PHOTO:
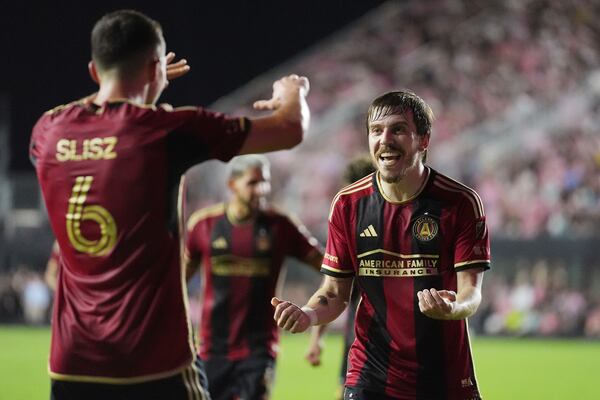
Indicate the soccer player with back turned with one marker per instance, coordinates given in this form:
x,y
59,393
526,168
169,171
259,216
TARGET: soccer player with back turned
x,y
416,243
109,169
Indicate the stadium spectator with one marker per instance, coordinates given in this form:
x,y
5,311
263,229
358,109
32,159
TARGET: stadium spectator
x,y
417,244
241,245
109,167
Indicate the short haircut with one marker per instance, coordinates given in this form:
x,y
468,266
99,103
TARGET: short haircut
x,y
124,39
399,102
240,164
359,168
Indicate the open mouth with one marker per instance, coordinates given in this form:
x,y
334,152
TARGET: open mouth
x,y
388,159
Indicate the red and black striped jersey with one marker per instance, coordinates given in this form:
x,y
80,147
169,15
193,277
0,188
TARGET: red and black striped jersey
x,y
393,250
241,267
109,177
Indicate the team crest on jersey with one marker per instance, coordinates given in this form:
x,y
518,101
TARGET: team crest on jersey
x,y
220,243
425,228
262,241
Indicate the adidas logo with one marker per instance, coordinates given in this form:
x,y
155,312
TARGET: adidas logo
x,y
369,232
219,243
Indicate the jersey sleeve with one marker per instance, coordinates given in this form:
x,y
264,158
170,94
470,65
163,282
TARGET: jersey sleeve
x,y
337,261
299,240
472,248
201,135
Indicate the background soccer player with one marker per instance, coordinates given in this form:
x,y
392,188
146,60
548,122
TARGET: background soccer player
x,y
357,169
242,245
109,168
416,243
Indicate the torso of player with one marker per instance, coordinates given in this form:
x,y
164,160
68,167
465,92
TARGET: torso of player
x,y
109,177
241,267
395,250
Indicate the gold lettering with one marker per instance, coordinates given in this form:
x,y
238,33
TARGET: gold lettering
x,y
91,149
62,150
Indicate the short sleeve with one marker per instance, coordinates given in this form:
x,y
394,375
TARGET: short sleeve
x,y
472,248
337,261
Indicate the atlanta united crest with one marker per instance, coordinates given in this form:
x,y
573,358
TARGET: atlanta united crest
x,y
425,228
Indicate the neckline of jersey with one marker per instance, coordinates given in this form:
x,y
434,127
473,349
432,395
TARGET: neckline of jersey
x,y
414,196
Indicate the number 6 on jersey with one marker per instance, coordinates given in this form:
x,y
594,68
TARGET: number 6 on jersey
x,y
79,212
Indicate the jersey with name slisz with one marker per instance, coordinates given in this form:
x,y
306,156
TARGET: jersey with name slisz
x,y
395,250
109,177
241,265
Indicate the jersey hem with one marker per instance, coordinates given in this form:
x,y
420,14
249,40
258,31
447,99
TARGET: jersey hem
x,y
117,381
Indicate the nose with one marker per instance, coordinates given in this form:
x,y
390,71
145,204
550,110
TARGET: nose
x,y
387,136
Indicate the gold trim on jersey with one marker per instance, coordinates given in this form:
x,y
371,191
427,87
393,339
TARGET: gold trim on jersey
x,y
359,185
391,253
203,213
115,381
337,270
460,264
411,198
451,185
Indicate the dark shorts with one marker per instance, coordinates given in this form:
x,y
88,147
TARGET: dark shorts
x,y
247,379
188,384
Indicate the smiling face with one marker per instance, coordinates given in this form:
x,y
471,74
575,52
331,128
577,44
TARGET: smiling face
x,y
395,147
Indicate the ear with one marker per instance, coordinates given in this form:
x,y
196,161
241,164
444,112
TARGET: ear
x,y
231,184
153,70
93,72
424,142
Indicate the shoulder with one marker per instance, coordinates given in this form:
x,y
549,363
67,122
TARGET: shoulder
x,y
204,214
351,193
458,192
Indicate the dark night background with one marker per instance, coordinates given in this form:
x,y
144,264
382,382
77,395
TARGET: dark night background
x,y
45,47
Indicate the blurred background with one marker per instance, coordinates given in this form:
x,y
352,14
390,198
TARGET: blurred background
x,y
515,86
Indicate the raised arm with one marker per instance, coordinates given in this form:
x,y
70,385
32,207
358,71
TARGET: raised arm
x,y
446,304
285,127
323,307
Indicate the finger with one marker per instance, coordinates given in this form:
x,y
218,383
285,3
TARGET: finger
x,y
281,307
427,299
275,301
439,301
292,320
169,57
178,64
422,303
266,104
173,73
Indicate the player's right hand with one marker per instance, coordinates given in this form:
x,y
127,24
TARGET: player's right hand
x,y
289,316
283,88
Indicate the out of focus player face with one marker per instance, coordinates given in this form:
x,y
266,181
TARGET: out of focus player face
x,y
394,145
160,82
251,188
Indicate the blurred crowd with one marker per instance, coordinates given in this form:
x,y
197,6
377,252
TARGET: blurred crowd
x,y
539,300
510,64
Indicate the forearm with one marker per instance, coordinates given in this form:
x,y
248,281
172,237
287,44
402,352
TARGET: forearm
x,y
467,302
329,302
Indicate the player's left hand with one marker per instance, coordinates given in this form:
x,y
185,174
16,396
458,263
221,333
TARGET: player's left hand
x,y
437,304
313,354
177,69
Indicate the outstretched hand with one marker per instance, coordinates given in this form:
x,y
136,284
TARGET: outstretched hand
x,y
437,304
282,88
177,69
289,316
